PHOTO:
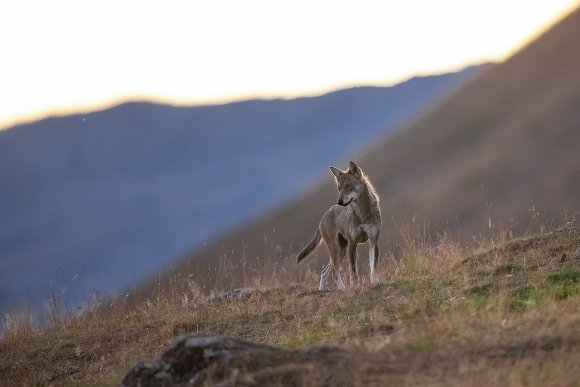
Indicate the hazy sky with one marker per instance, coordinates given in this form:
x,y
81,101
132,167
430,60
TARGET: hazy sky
x,y
60,56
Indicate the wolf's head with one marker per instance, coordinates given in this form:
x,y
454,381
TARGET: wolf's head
x,y
350,184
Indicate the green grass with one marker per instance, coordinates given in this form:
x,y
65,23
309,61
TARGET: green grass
x,y
421,345
502,315
507,268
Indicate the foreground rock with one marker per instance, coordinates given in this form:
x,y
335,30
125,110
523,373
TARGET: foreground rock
x,y
194,359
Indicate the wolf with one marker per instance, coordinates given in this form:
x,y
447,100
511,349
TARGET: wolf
x,y
354,219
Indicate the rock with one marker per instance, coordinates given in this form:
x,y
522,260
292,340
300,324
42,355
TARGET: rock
x,y
455,300
187,361
577,254
220,360
233,294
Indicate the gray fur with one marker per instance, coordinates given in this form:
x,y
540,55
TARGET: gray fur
x,y
356,218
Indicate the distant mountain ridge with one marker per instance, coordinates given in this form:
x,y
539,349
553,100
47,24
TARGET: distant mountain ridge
x,y
500,153
101,200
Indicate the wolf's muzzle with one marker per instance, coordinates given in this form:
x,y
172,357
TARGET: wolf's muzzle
x,y
341,202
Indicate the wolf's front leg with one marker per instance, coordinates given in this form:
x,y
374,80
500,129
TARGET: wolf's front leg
x,y
354,280
373,262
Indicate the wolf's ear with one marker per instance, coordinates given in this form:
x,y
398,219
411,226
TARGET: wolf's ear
x,y
354,169
336,172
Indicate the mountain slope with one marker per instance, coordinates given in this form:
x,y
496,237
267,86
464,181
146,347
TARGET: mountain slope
x,y
502,151
100,200
504,315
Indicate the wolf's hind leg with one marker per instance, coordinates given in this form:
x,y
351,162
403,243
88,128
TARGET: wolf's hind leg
x,y
336,254
325,275
340,279
329,271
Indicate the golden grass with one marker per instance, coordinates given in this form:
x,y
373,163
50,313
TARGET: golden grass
x,y
505,315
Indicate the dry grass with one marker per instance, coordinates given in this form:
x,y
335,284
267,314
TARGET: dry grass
x,y
504,315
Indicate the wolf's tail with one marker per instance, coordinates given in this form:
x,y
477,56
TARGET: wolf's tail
x,y
310,247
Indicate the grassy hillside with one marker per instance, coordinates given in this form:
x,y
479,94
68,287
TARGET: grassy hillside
x,y
105,199
500,154
505,314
